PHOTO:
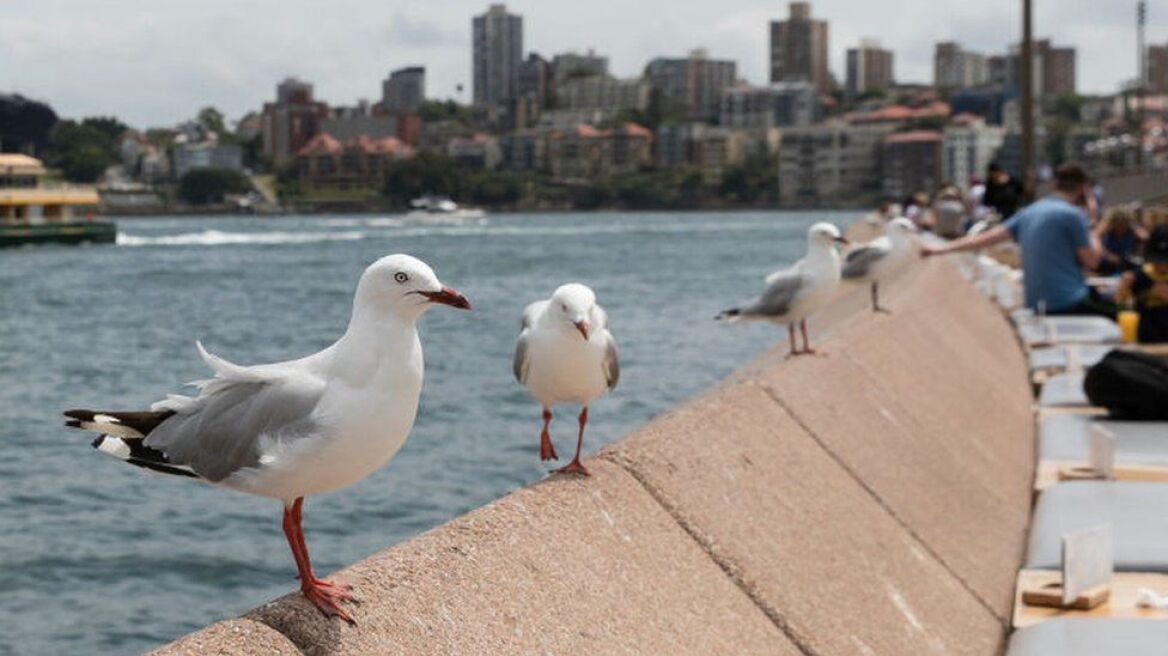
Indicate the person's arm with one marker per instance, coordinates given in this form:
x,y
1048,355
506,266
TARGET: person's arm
x,y
994,235
1089,250
1123,291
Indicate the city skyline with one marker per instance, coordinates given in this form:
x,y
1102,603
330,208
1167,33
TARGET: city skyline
x,y
159,65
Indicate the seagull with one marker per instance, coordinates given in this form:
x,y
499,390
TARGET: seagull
x,y
565,354
287,430
797,292
879,258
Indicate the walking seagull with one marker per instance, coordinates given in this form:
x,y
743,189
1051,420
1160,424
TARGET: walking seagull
x,y
797,292
565,354
880,258
290,429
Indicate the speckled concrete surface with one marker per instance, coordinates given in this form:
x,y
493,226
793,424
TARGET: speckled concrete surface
x,y
235,637
567,566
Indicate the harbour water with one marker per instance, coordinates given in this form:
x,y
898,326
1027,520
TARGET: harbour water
x,y
102,558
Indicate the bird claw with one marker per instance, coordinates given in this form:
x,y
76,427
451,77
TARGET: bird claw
x,y
327,598
882,310
574,467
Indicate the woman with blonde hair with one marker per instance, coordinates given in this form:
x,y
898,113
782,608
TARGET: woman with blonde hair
x,y
1120,235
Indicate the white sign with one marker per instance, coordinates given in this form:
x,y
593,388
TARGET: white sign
x,y
1087,561
1101,451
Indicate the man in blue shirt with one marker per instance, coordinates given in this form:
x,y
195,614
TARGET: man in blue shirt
x,y
1057,244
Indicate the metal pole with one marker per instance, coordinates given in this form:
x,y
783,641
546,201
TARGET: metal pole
x,y
1141,82
1027,81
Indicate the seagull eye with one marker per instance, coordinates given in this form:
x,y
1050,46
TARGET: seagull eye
x,y
401,277
564,307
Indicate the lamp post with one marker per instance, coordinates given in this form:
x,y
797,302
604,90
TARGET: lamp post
x,y
1027,80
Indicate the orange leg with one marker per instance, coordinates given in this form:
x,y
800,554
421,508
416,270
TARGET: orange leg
x,y
547,451
576,467
325,595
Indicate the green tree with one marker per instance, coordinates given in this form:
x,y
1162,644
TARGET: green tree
x,y
83,150
427,173
213,120
211,185
25,125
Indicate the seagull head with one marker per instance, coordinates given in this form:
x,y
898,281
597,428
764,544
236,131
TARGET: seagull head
x,y
824,234
571,305
901,231
405,285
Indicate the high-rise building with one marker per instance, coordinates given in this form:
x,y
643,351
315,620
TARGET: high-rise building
x,y
910,162
1058,69
819,164
567,65
692,86
799,49
1157,66
404,89
869,68
968,146
290,122
497,54
1052,69
956,68
783,104
535,79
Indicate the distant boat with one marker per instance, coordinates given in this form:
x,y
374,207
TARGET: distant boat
x,y
442,206
33,212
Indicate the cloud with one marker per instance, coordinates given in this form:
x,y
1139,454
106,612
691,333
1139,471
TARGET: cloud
x,y
406,31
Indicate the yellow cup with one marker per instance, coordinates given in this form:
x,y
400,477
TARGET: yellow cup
x,y
1129,325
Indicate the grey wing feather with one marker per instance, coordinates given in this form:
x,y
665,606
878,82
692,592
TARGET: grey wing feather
x,y
611,363
858,262
519,363
219,433
776,300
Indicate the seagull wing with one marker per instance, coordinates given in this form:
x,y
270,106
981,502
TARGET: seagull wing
x,y
781,292
858,263
519,362
235,416
611,363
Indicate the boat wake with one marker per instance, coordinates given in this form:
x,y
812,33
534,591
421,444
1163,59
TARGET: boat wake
x,y
220,238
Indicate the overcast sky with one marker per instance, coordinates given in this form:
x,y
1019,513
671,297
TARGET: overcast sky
x,y
157,62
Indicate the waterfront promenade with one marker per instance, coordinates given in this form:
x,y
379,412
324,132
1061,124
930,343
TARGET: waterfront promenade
x,y
874,501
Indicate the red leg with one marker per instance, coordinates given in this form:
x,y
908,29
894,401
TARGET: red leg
x,y
806,344
547,451
324,595
576,467
791,334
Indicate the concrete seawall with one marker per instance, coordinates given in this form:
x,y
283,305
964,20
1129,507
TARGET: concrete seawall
x,y
871,502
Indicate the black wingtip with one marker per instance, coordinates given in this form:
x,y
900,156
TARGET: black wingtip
x,y
73,423
726,314
80,415
97,441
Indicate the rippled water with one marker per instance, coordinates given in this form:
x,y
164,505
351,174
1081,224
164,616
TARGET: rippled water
x,y
102,558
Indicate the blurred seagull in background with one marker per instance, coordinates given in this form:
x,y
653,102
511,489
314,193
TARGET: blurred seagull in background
x,y
877,260
565,354
797,292
290,429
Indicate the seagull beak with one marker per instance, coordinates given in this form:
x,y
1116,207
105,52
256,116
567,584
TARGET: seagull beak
x,y
841,240
448,296
582,326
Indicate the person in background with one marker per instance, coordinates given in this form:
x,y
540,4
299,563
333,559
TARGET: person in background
x,y
1003,194
1147,288
950,213
1120,236
1056,244
916,209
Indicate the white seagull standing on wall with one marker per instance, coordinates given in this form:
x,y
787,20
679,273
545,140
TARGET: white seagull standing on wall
x,y
290,429
565,354
799,291
877,260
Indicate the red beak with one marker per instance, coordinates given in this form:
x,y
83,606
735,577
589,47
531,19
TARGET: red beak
x,y
448,296
842,240
582,326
